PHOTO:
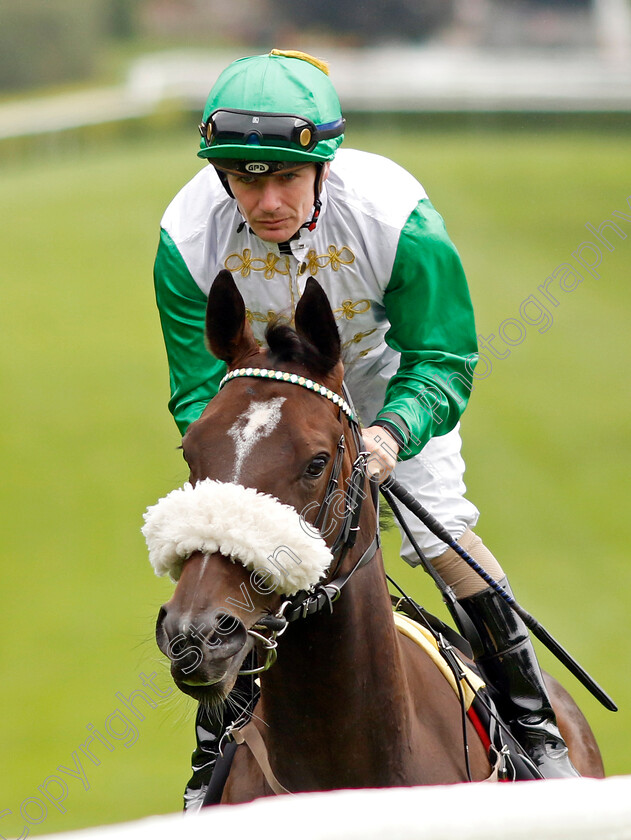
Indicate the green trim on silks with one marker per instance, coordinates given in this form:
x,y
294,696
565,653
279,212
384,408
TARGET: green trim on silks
x,y
194,373
432,326
293,379
274,84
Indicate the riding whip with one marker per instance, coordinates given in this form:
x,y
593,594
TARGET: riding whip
x,y
393,487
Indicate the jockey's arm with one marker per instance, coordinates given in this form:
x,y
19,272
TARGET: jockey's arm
x,y
429,308
194,373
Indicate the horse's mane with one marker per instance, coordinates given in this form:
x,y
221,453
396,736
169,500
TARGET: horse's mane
x,y
286,345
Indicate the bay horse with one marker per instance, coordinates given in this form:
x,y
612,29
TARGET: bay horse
x,y
349,702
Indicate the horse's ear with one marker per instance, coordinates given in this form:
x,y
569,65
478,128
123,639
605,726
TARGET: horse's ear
x,y
315,321
228,333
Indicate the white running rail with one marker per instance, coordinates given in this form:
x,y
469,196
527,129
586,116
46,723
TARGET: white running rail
x,y
573,809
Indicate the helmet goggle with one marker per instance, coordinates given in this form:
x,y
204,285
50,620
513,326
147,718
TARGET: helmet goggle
x,y
263,129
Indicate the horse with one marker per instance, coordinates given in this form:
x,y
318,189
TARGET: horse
x,y
349,702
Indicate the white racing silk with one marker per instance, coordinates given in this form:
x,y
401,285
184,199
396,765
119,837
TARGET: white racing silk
x,y
245,525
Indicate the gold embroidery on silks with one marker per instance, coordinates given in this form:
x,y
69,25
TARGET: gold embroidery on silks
x,y
265,318
359,337
274,264
356,339
350,308
245,263
334,257
292,298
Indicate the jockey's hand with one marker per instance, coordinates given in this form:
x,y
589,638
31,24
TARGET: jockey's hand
x,y
382,451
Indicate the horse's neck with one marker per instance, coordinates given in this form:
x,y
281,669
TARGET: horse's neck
x,y
337,680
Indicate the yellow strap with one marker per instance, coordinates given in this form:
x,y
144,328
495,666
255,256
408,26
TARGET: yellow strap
x,y
424,639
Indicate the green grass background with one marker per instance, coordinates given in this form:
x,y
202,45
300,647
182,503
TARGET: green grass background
x,y
87,444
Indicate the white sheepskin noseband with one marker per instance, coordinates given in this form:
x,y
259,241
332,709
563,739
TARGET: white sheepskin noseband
x,y
257,530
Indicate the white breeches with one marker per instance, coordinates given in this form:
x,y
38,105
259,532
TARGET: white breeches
x,y
435,478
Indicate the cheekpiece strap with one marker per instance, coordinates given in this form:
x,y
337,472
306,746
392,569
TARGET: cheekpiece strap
x,y
294,379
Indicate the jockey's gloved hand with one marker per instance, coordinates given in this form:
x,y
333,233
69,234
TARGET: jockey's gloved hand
x,y
382,451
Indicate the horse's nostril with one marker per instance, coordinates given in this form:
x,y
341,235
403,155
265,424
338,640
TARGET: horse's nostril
x,y
225,624
178,646
226,633
160,631
196,644
223,630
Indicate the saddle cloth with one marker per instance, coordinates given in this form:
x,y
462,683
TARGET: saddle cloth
x,y
471,684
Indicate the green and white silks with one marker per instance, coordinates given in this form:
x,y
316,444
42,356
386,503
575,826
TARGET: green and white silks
x,y
381,253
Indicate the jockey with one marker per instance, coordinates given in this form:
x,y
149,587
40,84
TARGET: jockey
x,y
277,205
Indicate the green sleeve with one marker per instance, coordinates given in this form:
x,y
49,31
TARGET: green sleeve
x,y
193,371
432,326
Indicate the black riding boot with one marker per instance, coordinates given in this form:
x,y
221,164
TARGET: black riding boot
x,y
208,735
508,663
209,732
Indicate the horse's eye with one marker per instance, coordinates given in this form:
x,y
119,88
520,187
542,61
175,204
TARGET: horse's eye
x,y
316,467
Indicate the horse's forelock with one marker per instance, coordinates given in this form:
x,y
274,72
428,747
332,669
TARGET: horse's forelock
x,y
286,345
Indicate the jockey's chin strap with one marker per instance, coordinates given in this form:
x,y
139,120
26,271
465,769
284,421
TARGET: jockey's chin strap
x,y
317,204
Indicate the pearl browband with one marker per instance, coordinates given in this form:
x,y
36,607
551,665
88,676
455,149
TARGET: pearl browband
x,y
294,379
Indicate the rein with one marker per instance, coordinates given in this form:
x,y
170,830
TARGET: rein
x,y
390,488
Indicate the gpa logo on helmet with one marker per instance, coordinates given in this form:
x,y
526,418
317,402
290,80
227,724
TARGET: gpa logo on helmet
x,y
256,168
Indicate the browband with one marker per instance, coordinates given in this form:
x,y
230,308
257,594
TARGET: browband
x,y
294,379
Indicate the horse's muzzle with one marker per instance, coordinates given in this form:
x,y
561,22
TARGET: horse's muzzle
x,y
205,650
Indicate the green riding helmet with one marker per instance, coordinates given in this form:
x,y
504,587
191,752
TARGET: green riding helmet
x,y
269,111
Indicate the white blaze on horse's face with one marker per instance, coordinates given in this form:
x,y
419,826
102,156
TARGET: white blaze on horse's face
x,y
258,422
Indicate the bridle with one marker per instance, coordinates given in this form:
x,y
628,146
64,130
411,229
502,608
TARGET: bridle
x,y
321,596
